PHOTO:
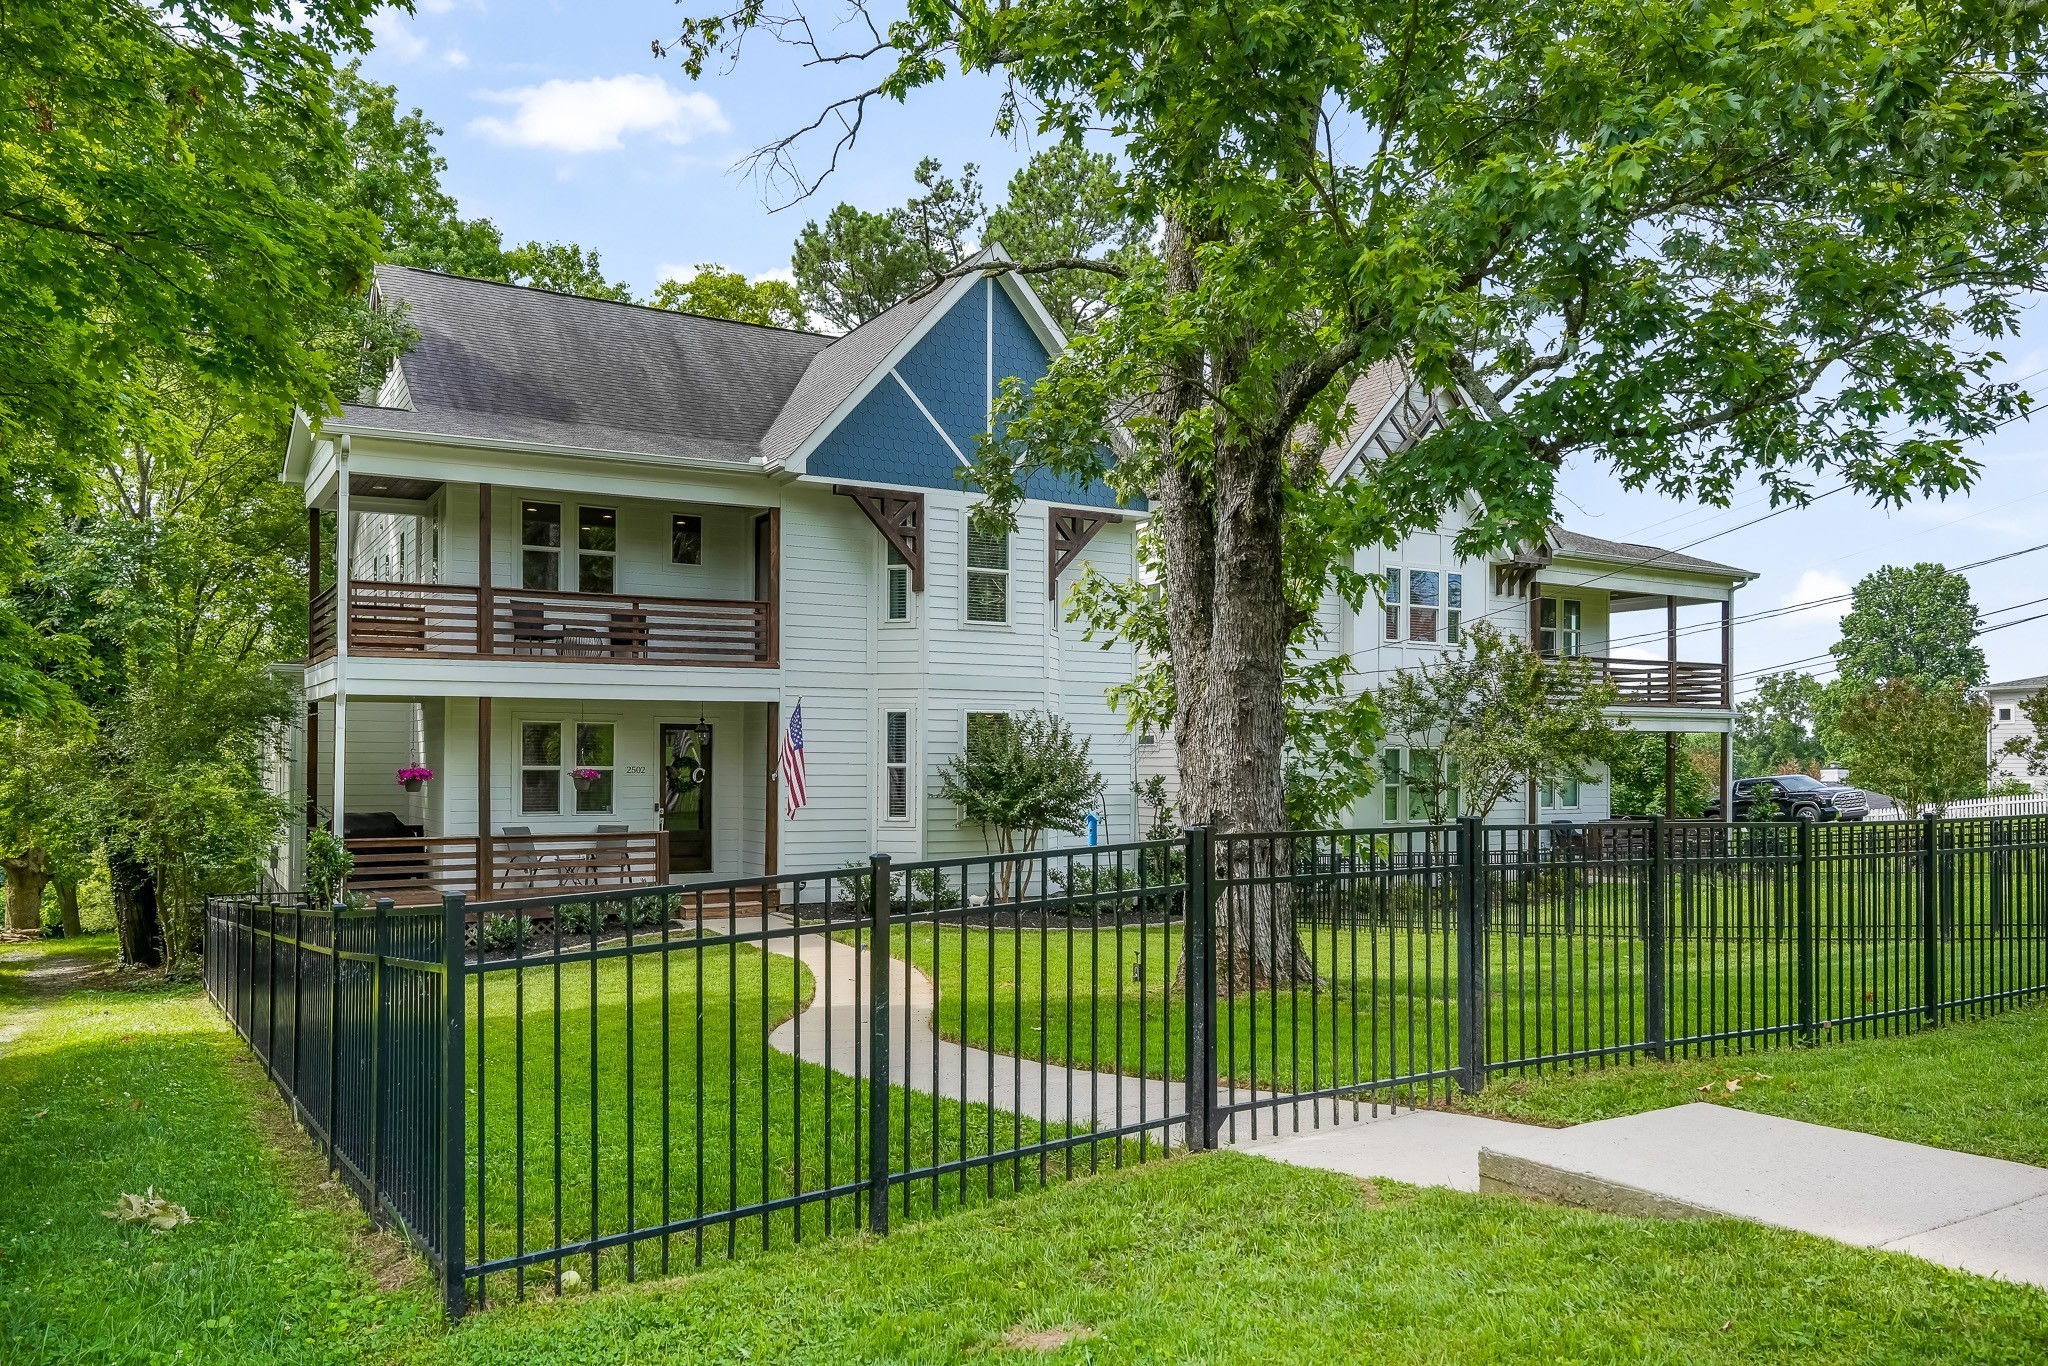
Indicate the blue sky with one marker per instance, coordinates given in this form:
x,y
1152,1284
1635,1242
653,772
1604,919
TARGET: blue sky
x,y
561,124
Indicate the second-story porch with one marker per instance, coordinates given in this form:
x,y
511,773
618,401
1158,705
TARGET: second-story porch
x,y
440,570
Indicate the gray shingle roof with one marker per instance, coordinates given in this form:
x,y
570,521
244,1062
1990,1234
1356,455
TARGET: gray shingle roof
x,y
1581,546
499,362
2037,682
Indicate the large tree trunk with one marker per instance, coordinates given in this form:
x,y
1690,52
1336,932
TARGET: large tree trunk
x,y
1228,623
26,878
67,906
135,911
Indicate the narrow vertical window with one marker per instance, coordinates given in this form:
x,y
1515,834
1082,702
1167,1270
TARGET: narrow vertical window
x,y
540,546
897,573
540,768
896,764
685,539
597,550
1546,627
1393,605
1421,781
988,577
1423,590
592,776
1570,637
1454,608
1390,781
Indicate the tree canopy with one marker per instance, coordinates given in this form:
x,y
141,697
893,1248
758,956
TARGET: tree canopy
x,y
715,292
1777,730
1916,623
1923,746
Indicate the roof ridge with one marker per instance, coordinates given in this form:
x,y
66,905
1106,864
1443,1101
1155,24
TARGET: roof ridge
x,y
826,337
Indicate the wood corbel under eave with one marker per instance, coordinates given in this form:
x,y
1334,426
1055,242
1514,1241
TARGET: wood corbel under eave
x,y
900,519
1070,531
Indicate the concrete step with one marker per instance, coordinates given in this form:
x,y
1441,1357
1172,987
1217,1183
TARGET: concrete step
x,y
1975,1213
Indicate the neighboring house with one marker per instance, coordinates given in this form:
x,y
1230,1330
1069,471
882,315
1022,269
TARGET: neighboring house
x,y
583,535
1644,617
2008,722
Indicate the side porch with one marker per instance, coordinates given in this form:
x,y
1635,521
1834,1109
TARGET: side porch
x,y
536,796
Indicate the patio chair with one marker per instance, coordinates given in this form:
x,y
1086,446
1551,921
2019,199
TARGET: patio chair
x,y
521,859
531,631
611,859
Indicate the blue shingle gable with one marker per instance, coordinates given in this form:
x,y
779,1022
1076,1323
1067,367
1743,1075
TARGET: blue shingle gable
x,y
886,440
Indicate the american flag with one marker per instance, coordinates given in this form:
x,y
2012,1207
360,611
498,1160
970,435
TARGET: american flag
x,y
793,763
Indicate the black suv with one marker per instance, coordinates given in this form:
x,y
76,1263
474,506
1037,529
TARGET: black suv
x,y
1796,797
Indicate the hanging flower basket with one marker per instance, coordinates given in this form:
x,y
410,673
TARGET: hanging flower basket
x,y
585,778
412,775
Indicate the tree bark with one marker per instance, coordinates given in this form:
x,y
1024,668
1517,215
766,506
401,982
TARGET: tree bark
x,y
26,878
67,906
135,911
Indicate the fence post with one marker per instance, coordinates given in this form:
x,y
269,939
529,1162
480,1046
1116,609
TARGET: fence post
x,y
1653,944
375,1173
333,1033
1471,960
298,991
1803,944
878,1043
454,1110
1198,951
1930,929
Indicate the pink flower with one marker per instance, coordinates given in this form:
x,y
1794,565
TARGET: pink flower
x,y
415,773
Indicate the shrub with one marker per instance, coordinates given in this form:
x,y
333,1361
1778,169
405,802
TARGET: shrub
x,y
574,918
500,932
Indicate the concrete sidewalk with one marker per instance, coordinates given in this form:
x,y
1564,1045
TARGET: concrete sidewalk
x,y
1975,1213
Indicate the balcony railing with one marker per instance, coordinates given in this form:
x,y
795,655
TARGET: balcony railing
x,y
414,869
414,620
1665,683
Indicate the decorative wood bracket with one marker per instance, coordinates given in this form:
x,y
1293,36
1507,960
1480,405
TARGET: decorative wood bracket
x,y
1514,577
1072,529
900,519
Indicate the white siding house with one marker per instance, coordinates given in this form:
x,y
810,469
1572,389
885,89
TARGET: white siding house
x,y
582,535
2008,722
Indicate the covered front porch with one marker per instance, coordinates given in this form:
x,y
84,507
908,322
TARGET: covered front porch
x,y
539,796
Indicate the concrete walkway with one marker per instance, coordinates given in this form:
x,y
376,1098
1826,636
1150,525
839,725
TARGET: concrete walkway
x,y
1975,1213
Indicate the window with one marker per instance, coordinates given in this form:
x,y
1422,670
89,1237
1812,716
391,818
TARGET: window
x,y
2005,713
1425,606
896,764
988,577
597,550
540,768
1414,773
1562,795
685,539
1559,631
1390,782
592,776
540,545
898,574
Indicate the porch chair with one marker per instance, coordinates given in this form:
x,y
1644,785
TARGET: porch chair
x,y
611,860
521,857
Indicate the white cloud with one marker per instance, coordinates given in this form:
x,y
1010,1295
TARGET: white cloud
x,y
595,115
782,273
392,30
455,56
1816,586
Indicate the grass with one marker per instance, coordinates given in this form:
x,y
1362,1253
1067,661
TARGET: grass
x,y
116,1087
1227,1258
1980,1086
1215,1258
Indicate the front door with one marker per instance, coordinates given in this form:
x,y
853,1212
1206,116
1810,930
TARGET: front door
x,y
686,796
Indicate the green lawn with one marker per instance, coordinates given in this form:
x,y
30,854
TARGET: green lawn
x,y
1980,1085
1215,1258
112,1089
1227,1258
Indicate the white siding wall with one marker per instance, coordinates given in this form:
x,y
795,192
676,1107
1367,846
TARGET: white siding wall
x,y
2007,765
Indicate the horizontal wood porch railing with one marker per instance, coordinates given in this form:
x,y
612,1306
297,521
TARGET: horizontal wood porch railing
x,y
1664,682
414,869
409,620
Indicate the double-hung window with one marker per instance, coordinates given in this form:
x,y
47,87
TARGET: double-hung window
x,y
1410,782
685,538
896,587
597,550
896,765
1560,627
988,576
542,770
596,765
540,546
1425,606
1561,795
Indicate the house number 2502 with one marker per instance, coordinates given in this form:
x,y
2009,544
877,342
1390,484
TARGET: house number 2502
x,y
638,768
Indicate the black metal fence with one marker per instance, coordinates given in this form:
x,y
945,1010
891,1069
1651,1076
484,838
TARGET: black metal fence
x,y
605,1085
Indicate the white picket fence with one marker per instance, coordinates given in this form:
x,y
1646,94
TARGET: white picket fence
x,y
1979,806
